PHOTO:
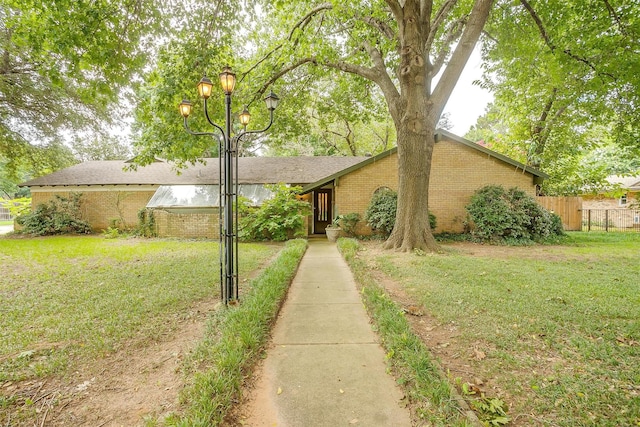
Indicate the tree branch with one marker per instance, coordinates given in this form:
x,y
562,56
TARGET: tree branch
x,y
281,73
396,9
301,24
441,15
553,47
378,74
379,25
453,33
471,34
615,16
539,24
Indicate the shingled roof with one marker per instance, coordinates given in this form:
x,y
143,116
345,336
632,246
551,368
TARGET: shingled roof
x,y
251,170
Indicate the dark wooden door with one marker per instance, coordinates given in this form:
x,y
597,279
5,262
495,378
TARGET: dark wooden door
x,y
321,210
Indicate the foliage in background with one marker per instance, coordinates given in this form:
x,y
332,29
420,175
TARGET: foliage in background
x,y
279,218
381,212
204,43
59,216
17,207
233,343
66,65
565,83
510,215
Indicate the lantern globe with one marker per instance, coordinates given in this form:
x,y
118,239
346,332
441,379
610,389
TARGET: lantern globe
x,y
245,117
185,108
205,87
272,101
227,80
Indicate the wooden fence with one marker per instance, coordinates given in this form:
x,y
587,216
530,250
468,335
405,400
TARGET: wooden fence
x,y
568,208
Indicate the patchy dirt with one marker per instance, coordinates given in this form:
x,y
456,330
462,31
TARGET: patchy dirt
x,y
121,389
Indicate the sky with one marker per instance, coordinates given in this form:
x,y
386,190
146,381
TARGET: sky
x,y
468,102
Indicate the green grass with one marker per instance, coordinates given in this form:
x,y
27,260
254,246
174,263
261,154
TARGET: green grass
x,y
426,387
6,222
65,300
234,341
560,328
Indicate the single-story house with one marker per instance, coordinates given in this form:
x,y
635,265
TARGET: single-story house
x,y
185,204
622,192
618,204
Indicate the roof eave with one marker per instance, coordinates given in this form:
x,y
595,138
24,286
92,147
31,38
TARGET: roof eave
x,y
324,181
441,134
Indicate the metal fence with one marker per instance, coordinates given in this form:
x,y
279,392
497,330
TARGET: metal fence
x,y
5,215
618,220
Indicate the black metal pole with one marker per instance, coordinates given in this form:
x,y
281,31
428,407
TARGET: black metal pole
x,y
228,207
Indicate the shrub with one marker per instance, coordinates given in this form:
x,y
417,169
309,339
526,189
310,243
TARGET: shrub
x,y
349,222
279,218
381,212
61,215
510,215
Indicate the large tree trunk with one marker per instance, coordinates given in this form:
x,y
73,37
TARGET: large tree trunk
x,y
412,229
417,111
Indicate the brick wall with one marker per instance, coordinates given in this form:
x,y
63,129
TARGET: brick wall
x,y
602,201
457,172
101,206
186,225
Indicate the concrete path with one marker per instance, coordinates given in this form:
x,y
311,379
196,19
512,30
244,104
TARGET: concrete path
x,y
325,367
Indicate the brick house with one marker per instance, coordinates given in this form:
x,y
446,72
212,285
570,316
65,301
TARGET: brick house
x,y
333,185
618,205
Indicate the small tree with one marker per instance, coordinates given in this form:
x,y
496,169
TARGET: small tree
x,y
510,215
279,218
61,215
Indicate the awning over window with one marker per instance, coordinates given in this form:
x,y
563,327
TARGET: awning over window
x,y
203,196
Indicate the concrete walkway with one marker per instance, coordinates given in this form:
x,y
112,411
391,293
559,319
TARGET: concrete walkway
x,y
325,367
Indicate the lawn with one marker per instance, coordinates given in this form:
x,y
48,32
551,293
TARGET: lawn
x,y
554,331
65,300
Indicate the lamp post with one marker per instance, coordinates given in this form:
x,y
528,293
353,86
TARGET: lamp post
x,y
228,174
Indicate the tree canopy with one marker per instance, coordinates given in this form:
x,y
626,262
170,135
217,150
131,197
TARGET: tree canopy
x,y
65,65
564,76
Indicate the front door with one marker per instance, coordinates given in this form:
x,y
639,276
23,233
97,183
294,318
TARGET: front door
x,y
321,210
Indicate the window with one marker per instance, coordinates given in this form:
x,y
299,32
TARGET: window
x,y
381,189
202,196
623,200
636,219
